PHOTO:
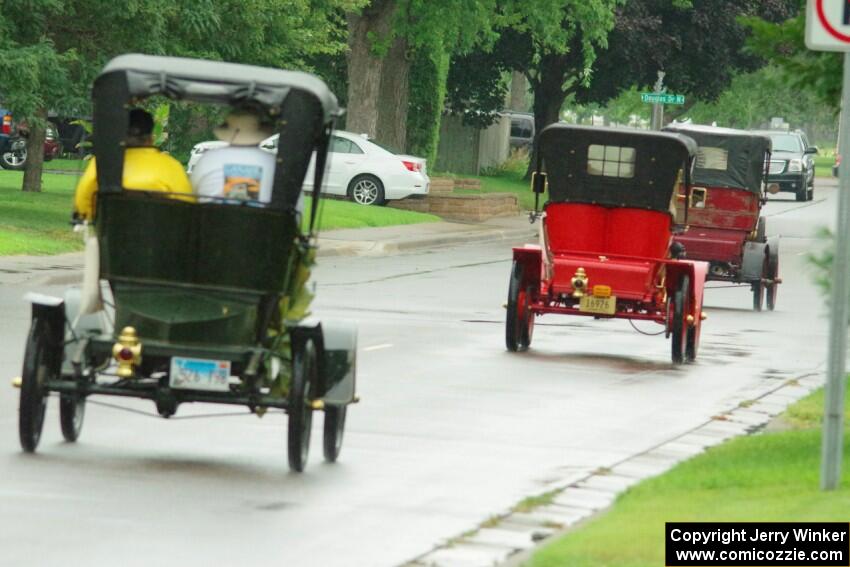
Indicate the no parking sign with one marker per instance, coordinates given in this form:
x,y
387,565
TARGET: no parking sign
x,y
828,25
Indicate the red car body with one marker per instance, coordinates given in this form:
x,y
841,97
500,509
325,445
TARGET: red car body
x,y
726,229
605,248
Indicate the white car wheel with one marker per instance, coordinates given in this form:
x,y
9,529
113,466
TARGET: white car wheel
x,y
366,190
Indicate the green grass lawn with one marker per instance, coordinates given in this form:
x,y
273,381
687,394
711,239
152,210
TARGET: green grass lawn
x,y
65,165
504,182
38,223
823,165
764,477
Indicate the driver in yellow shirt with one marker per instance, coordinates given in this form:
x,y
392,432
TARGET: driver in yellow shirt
x,y
145,168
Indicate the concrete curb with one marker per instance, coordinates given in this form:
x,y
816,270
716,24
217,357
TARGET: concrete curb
x,y
509,539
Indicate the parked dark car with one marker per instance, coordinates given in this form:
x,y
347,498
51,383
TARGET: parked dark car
x,y
13,142
792,164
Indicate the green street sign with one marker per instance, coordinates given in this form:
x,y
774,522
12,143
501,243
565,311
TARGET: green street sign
x,y
662,98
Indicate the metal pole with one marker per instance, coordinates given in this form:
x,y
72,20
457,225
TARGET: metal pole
x,y
658,108
833,425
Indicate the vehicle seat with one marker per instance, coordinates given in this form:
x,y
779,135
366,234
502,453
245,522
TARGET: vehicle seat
x,y
595,229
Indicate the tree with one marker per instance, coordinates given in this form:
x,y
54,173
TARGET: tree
x,y
699,44
554,48
51,50
384,36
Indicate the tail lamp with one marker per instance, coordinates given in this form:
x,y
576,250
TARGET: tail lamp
x,y
127,352
6,128
412,166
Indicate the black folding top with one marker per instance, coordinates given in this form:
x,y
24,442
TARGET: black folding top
x,y
727,157
613,166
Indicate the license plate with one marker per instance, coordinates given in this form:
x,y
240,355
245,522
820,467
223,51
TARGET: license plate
x,y
200,374
602,305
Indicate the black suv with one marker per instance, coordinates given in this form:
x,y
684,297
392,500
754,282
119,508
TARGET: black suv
x,y
792,164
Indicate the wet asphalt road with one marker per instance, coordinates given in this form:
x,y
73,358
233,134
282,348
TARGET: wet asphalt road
x,y
451,430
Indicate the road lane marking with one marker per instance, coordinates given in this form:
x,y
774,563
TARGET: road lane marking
x,y
377,347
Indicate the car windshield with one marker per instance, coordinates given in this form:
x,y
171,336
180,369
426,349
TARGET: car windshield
x,y
786,143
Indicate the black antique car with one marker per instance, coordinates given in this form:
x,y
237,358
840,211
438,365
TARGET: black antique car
x,y
207,299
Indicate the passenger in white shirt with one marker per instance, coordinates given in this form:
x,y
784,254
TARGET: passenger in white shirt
x,y
240,171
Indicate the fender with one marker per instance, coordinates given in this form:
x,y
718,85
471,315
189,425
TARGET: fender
x,y
530,257
51,310
753,262
339,362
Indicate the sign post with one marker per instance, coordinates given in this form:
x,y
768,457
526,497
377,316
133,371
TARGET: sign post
x,y
657,107
828,29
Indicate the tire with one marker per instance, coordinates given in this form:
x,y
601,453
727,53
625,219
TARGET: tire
x,y
39,367
366,190
304,379
772,289
810,193
679,310
518,320
801,194
692,339
759,287
72,410
14,160
333,431
527,326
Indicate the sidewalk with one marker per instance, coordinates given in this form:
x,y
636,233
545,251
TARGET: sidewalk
x,y
67,268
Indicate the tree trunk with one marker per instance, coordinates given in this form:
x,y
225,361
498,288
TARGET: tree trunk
x,y
518,97
549,97
393,97
35,153
364,67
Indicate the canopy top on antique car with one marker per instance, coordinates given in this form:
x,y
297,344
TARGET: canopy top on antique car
x,y
301,106
728,158
614,167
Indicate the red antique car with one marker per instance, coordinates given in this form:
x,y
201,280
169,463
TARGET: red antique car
x,y
606,235
725,227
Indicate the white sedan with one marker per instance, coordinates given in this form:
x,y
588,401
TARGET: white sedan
x,y
357,168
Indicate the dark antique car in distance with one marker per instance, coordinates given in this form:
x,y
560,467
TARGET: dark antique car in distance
x,y
606,236
203,294
725,226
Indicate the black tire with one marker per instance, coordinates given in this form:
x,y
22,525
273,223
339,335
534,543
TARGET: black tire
x,y
14,160
72,410
691,345
679,310
810,193
334,430
39,367
366,190
304,378
772,289
526,331
515,338
759,287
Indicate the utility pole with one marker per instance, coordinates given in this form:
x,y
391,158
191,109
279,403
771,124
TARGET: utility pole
x,y
833,421
658,108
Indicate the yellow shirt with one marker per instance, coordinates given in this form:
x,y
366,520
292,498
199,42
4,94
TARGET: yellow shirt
x,y
145,169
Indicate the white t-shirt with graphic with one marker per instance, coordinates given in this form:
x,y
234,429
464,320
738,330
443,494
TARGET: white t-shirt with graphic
x,y
240,173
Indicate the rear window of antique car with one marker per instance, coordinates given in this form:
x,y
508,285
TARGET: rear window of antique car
x,y
712,158
611,161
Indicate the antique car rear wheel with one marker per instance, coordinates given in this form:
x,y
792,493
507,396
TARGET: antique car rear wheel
x,y
304,377
334,429
527,322
773,288
517,335
72,409
679,324
38,368
759,286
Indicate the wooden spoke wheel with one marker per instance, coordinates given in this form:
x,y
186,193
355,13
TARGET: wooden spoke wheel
x,y
519,320
678,311
39,367
301,388
334,429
